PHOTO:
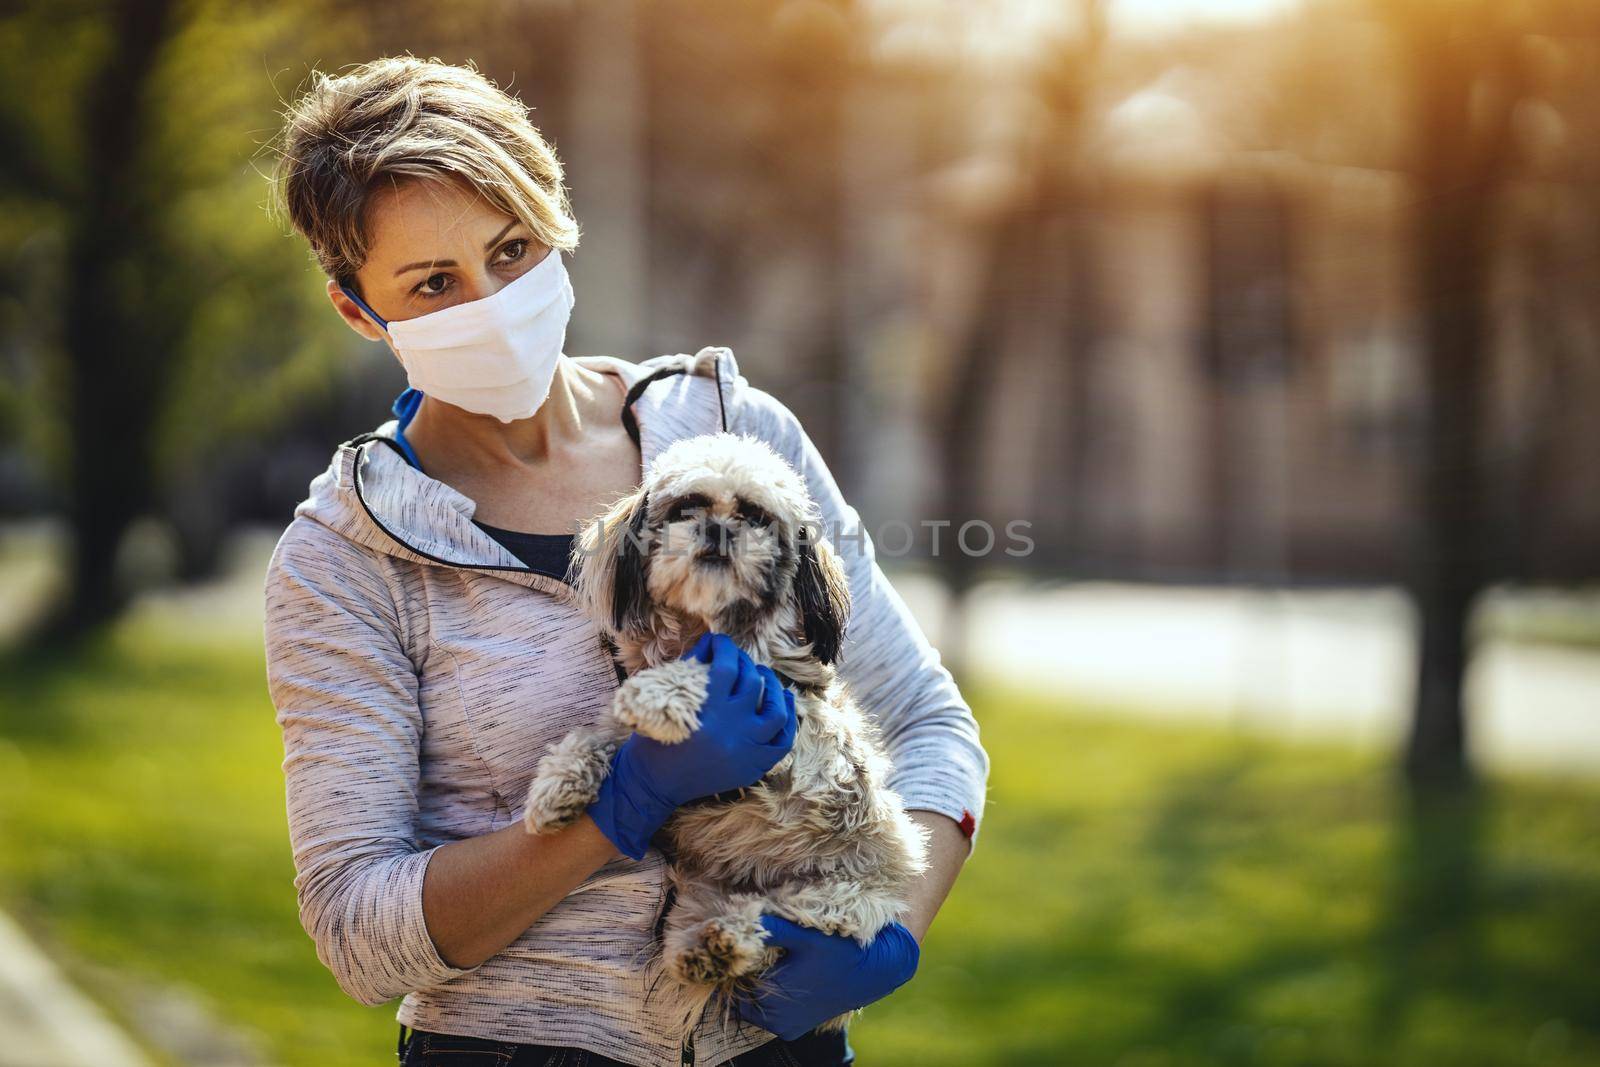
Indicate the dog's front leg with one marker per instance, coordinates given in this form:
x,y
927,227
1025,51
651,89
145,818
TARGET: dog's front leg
x,y
662,702
568,778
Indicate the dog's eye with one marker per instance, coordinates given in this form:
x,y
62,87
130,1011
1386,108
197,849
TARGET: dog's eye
x,y
694,502
753,514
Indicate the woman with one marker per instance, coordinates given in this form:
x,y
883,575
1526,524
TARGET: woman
x,y
423,646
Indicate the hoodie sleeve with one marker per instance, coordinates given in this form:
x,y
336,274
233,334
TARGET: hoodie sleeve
x,y
891,668
346,697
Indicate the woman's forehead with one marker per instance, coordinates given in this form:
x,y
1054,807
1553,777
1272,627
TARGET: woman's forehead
x,y
421,219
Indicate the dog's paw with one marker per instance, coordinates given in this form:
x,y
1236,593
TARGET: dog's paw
x,y
663,702
720,950
552,806
566,782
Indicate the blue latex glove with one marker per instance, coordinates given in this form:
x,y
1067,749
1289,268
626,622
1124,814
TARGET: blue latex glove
x,y
747,724
823,975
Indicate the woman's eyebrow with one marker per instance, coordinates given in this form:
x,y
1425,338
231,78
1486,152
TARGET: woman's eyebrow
x,y
426,264
496,238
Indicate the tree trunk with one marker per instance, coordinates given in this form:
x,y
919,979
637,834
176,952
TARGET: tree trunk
x,y
963,407
1466,84
115,362
1075,479
1448,570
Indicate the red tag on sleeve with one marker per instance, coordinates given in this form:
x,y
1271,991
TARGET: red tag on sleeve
x,y
968,824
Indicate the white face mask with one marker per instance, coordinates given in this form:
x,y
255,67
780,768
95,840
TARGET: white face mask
x,y
494,356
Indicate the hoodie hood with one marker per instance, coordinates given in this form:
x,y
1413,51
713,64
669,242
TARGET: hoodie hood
x,y
370,494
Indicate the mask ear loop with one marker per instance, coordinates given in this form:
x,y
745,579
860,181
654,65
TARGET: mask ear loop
x,y
362,304
405,406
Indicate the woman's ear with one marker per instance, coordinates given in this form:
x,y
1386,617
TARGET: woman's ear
x,y
822,595
611,574
353,316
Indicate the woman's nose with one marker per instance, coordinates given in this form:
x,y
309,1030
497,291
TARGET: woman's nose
x,y
481,284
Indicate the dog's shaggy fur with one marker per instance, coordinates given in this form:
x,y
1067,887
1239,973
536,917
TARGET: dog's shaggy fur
x,y
722,536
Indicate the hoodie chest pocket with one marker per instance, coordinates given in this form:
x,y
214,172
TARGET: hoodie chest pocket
x,y
525,682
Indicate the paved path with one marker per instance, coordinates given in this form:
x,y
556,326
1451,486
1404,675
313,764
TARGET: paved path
x,y
1303,664
45,1021
1324,664
1333,665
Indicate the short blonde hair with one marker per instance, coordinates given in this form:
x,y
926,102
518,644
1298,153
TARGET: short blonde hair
x,y
404,117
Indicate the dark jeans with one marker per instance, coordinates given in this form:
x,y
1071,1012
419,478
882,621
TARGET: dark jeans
x,y
426,1049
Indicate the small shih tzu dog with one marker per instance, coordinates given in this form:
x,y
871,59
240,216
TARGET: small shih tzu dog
x,y
722,536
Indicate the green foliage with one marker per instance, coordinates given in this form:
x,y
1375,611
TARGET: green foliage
x,y
232,304
1139,894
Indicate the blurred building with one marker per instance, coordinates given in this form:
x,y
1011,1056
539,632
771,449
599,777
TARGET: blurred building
x,y
1207,364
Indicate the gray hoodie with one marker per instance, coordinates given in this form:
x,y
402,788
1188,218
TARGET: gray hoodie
x,y
419,670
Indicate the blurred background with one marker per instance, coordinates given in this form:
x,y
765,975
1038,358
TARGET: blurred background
x,y
1275,322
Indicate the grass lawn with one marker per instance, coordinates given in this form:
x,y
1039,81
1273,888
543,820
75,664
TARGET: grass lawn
x,y
1140,894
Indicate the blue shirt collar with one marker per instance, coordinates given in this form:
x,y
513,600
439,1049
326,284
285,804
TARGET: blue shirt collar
x,y
405,409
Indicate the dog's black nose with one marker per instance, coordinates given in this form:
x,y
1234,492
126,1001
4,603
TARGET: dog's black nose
x,y
716,539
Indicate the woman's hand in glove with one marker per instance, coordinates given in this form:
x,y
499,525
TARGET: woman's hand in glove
x,y
747,724
823,975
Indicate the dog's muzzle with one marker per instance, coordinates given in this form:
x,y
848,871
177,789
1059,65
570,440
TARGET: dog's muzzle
x,y
716,544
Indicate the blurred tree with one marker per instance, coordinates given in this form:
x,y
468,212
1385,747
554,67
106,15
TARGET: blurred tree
x,y
116,334
1066,87
160,299
1461,62
1039,241
746,101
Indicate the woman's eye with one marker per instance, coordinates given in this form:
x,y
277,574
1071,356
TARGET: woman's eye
x,y
428,288
514,250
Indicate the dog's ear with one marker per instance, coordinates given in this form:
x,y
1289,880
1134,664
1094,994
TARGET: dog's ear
x,y
822,595
611,579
